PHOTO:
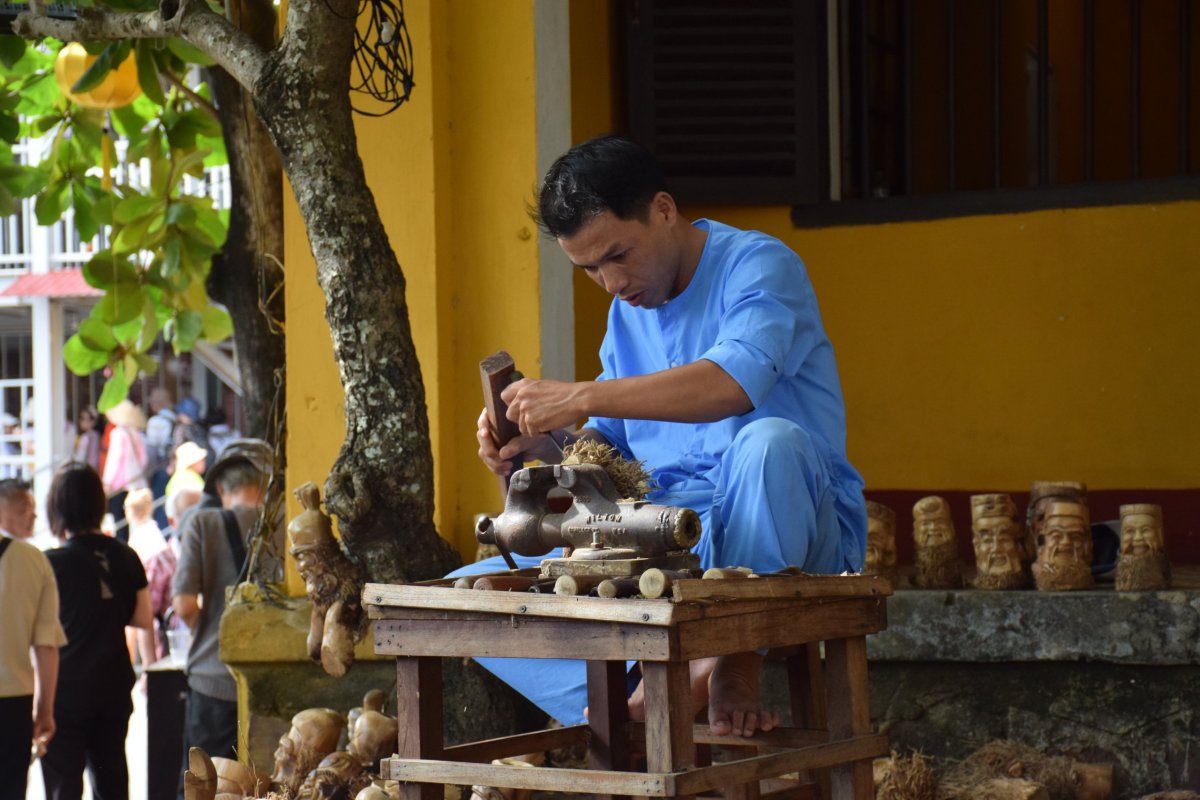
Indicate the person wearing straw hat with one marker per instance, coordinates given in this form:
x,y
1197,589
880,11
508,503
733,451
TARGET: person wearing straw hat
x,y
125,463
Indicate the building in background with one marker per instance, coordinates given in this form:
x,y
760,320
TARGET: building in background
x,y
43,299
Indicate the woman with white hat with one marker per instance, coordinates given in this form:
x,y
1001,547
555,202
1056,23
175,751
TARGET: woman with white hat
x,y
125,463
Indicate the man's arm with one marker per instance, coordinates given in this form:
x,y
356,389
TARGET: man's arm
x,y
696,392
45,659
187,608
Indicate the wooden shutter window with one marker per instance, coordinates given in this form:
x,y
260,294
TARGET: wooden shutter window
x,y
730,97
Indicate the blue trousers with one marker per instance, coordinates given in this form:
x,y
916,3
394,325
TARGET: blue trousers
x,y
770,503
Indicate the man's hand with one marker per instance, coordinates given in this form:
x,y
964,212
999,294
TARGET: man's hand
x,y
538,406
499,460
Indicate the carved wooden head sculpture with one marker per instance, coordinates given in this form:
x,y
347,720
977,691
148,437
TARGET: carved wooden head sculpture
x,y
999,543
931,522
314,734
1064,547
1042,492
881,541
1142,563
935,550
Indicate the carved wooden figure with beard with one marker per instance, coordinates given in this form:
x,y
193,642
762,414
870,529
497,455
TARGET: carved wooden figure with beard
x,y
1142,563
333,582
881,542
314,734
935,550
1064,558
1000,556
1040,494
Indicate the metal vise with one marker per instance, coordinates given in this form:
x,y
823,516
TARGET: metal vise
x,y
598,525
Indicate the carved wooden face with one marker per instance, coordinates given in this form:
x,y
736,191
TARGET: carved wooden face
x,y
1141,534
998,545
1065,540
932,531
881,545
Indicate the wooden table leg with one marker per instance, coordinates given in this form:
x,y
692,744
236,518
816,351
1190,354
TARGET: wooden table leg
x,y
848,700
669,743
608,713
419,716
806,690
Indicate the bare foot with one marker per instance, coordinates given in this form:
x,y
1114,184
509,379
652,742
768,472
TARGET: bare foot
x,y
734,700
699,670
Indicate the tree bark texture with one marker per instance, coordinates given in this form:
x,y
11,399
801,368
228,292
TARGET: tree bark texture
x,y
381,486
247,275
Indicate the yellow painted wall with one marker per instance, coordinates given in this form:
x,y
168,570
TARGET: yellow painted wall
x,y
451,172
981,352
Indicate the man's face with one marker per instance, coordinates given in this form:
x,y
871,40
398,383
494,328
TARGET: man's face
x,y
1065,541
997,551
18,515
1140,534
637,261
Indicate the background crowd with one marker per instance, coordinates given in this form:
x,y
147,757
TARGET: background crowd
x,y
81,618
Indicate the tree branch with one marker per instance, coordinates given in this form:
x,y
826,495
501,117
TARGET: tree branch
x,y
196,99
190,20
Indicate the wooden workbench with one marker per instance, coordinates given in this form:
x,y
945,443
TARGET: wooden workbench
x,y
830,739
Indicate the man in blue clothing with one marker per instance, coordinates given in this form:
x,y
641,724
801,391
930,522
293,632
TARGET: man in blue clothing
x,y
717,373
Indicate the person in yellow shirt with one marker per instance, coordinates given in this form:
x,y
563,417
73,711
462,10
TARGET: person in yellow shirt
x,y
190,462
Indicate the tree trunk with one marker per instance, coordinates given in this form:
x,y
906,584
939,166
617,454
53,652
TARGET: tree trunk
x,y
381,486
247,276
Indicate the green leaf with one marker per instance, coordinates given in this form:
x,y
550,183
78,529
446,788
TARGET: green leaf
x,y
172,253
105,270
11,49
127,332
195,297
151,324
115,390
81,359
45,123
191,162
145,363
160,175
121,303
132,237
189,325
96,335
94,75
7,204
180,214
51,202
10,127
147,69
209,221
218,325
135,206
85,219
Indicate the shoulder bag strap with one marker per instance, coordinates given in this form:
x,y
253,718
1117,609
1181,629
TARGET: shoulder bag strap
x,y
234,534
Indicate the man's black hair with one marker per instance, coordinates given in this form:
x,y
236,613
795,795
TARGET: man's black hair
x,y
608,173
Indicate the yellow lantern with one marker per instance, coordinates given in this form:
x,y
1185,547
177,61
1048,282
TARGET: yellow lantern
x,y
119,87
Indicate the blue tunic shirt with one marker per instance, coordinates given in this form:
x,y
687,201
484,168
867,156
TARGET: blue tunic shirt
x,y
751,310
